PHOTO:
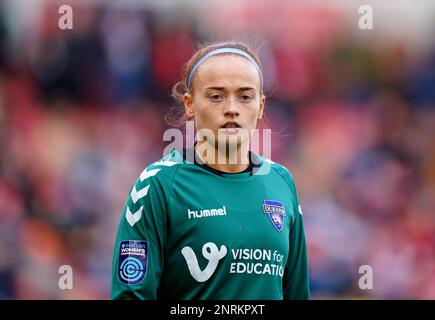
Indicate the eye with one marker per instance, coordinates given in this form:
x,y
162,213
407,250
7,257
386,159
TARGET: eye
x,y
215,97
246,98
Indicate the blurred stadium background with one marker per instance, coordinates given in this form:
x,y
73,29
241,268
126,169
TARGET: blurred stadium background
x,y
353,111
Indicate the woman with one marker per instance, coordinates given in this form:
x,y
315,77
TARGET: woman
x,y
214,228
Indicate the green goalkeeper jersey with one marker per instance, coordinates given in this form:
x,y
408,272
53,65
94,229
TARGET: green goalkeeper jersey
x,y
187,232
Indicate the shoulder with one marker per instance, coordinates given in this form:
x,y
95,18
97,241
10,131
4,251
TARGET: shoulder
x,y
154,183
285,174
268,166
162,170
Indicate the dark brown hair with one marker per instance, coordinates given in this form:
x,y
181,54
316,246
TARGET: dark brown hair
x,y
177,115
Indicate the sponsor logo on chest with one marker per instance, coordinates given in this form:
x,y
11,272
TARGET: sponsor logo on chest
x,y
195,214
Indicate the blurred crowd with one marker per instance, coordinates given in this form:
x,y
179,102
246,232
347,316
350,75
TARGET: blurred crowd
x,y
82,114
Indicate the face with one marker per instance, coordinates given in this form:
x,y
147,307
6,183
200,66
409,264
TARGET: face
x,y
226,99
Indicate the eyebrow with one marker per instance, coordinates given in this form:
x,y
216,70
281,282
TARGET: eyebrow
x,y
223,88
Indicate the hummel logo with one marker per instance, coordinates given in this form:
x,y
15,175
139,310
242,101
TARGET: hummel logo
x,y
193,214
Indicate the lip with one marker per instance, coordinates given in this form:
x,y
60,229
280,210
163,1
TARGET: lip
x,y
230,130
233,124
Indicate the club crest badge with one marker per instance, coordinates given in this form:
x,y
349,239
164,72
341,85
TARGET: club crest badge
x,y
276,212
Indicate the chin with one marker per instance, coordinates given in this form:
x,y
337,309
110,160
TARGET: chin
x,y
232,137
231,141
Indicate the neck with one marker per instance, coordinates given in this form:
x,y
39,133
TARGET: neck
x,y
228,159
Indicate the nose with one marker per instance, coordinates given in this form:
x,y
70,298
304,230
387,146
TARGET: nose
x,y
231,109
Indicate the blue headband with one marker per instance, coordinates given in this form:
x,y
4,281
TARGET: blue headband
x,y
218,51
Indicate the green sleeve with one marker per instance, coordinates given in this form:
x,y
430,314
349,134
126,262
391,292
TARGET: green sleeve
x,y
142,223
296,277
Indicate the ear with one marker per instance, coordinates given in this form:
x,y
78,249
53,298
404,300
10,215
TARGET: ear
x,y
188,105
262,104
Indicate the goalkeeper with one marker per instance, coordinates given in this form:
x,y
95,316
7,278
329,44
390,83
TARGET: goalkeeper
x,y
202,226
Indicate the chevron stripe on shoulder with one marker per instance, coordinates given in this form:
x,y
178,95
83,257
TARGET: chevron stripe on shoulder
x,y
165,163
137,193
